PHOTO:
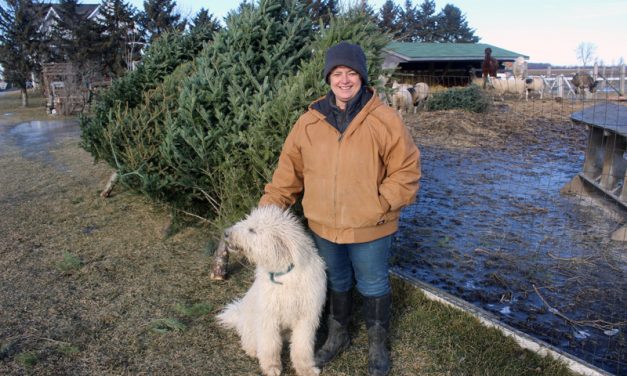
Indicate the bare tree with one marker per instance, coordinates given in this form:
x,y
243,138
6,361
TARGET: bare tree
x,y
585,52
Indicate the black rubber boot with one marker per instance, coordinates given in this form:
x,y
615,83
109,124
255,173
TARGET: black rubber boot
x,y
377,316
337,339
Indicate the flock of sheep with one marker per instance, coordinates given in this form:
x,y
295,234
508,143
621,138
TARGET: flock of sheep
x,y
520,84
406,97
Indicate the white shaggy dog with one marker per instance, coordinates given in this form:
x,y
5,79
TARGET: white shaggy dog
x,y
288,291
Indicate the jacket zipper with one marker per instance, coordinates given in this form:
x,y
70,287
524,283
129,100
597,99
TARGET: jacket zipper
x,y
335,187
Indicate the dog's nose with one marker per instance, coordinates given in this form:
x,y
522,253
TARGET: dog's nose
x,y
227,233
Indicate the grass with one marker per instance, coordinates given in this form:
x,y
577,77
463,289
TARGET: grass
x,y
11,103
167,325
27,359
429,338
117,311
194,310
70,263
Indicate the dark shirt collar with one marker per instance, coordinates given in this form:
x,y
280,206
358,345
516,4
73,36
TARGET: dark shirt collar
x,y
338,118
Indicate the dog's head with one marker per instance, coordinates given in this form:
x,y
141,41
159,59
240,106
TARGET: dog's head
x,y
267,236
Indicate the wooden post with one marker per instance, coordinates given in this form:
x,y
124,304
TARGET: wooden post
x,y
622,80
623,195
613,162
593,164
560,86
595,71
548,71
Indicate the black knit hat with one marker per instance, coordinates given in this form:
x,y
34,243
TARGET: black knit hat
x,y
347,54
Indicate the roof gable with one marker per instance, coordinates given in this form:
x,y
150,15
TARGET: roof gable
x,y
85,10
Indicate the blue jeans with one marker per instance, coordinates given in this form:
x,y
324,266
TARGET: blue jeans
x,y
367,262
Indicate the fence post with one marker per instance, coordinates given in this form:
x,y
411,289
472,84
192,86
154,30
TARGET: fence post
x,y
548,71
622,80
595,71
560,86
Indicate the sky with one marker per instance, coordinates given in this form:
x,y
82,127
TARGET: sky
x,y
548,31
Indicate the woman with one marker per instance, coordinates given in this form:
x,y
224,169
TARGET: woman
x,y
357,165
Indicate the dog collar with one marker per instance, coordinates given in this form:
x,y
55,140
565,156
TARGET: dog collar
x,y
278,274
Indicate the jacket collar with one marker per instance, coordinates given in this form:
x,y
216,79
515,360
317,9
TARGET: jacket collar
x,y
370,106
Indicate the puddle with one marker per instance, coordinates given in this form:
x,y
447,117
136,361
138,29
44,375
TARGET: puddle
x,y
491,228
35,138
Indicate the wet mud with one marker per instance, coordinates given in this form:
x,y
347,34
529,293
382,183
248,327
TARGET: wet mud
x,y
491,227
35,138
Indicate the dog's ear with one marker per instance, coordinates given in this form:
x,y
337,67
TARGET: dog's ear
x,y
282,249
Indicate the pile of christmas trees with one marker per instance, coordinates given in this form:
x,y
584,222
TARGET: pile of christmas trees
x,y
200,124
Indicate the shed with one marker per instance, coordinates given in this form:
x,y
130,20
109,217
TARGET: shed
x,y
442,59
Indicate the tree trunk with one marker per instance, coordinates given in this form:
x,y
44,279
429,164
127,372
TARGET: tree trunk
x,y
109,187
220,261
24,97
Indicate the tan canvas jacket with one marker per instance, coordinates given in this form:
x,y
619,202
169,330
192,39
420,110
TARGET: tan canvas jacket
x,y
354,183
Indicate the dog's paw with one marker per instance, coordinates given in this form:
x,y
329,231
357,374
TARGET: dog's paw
x,y
309,371
272,371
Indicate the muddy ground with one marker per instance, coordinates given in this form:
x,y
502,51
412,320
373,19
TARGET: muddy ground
x,y
85,291
491,227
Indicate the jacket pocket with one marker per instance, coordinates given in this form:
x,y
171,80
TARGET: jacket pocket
x,y
385,205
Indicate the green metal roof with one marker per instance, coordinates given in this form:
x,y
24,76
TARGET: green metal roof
x,y
447,51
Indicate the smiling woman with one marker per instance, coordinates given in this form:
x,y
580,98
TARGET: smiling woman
x,y
358,166
345,84
345,71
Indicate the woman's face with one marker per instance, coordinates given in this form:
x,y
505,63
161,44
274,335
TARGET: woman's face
x,y
345,84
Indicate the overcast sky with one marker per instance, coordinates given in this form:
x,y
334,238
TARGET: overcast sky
x,y
548,31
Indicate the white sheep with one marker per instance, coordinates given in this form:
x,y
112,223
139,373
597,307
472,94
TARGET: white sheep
x,y
420,95
511,85
401,98
534,84
519,68
407,96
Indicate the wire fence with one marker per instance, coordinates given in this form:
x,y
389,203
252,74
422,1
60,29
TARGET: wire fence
x,y
522,212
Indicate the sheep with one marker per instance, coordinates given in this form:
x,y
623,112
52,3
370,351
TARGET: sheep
x,y
406,95
519,68
534,84
510,85
582,81
420,94
401,98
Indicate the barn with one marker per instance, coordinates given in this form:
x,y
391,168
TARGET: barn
x,y
446,64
